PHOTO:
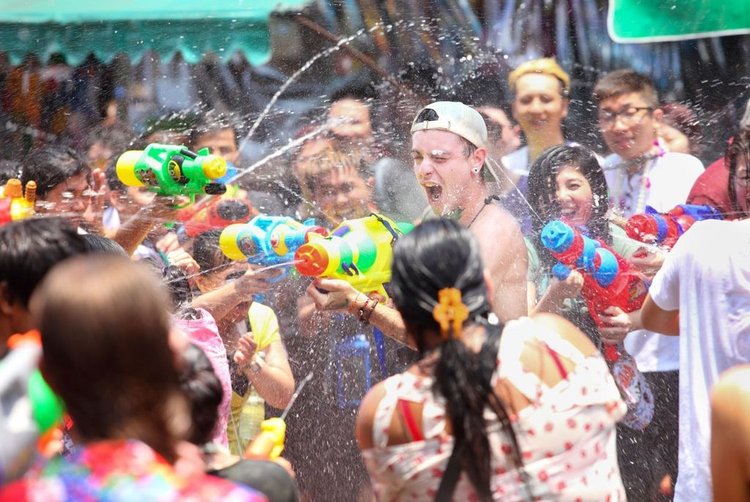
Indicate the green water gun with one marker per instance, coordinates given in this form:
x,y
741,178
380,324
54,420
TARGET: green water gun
x,y
172,170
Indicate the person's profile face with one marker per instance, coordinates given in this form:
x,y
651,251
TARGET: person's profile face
x,y
674,140
222,143
742,185
539,105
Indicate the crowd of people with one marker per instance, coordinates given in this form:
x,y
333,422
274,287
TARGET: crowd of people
x,y
487,370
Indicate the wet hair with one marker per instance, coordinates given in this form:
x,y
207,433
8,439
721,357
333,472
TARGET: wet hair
x,y
116,138
543,186
440,254
738,150
204,393
30,248
180,292
51,165
625,81
107,352
97,244
206,251
212,122
9,169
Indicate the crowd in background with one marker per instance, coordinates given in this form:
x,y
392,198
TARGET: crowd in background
x,y
484,376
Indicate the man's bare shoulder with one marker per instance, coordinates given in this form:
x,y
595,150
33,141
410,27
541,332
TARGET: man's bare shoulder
x,y
496,222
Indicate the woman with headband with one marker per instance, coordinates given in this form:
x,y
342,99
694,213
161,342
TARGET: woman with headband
x,y
513,412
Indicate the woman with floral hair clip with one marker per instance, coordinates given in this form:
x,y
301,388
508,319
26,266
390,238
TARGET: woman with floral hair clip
x,y
515,412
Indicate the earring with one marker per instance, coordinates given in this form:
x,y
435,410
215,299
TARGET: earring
x,y
476,170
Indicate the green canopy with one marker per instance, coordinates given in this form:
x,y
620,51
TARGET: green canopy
x,y
108,27
644,21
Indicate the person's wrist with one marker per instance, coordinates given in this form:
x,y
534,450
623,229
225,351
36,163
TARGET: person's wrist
x,y
357,303
257,363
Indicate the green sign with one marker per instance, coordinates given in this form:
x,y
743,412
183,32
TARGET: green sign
x,y
643,21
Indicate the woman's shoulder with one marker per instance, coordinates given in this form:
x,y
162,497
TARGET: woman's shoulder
x,y
544,328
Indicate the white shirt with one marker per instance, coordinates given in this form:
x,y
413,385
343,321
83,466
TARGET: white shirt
x,y
517,161
666,184
707,277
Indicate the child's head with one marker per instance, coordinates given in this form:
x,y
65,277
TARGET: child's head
x,y
568,182
63,181
204,393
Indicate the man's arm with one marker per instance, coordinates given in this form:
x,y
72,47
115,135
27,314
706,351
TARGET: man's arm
x,y
654,318
505,257
338,295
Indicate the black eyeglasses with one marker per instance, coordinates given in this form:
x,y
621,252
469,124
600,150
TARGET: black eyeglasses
x,y
628,116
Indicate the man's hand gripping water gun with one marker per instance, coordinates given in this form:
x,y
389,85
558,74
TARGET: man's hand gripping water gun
x,y
172,170
358,251
608,280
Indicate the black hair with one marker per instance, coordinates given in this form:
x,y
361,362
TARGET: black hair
x,y
440,254
212,122
29,249
206,251
113,181
204,393
9,169
116,138
543,186
180,292
739,149
51,165
98,244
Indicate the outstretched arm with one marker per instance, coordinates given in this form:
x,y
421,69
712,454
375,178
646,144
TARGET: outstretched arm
x,y
338,295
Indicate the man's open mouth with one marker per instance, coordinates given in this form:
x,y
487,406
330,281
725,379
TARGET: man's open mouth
x,y
433,190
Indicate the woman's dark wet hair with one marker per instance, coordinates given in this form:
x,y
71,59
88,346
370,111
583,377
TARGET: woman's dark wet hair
x,y
105,326
51,165
203,390
543,187
738,150
206,251
440,254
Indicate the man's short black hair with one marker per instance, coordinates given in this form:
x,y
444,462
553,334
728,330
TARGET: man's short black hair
x,y
29,249
51,165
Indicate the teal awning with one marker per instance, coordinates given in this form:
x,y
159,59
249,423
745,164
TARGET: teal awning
x,y
643,21
108,27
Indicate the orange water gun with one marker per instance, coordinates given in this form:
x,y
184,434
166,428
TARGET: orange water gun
x,y
15,204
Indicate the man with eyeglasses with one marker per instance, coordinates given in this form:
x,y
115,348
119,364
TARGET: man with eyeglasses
x,y
641,172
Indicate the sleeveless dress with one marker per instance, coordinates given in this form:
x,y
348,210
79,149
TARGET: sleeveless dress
x,y
566,435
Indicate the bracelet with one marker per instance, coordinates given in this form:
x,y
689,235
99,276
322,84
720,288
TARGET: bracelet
x,y
255,365
366,310
353,305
